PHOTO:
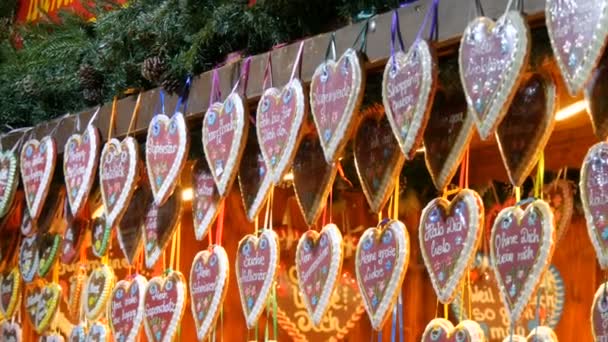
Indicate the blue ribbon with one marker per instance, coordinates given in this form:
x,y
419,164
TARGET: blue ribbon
x,y
183,98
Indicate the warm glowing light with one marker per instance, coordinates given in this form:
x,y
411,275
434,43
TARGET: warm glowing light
x,y
421,150
288,177
98,212
571,110
187,194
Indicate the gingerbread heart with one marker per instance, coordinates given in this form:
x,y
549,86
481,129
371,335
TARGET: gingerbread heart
x,y
442,330
78,333
599,313
378,160
76,284
521,247
11,331
29,259
72,238
408,89
208,288
447,135
41,303
28,227
449,234
492,57
256,268
206,199
37,168
382,258
318,264
126,308
100,236
159,225
79,166
10,292
558,195
117,176
255,179
336,91
164,302
48,248
225,131
312,192
538,334
594,197
98,332
51,337
279,121
8,180
129,230
166,153
595,95
526,127
578,32
97,291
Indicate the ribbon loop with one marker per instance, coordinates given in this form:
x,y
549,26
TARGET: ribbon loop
x,y
331,47
362,37
215,93
268,72
297,64
183,98
433,32
396,33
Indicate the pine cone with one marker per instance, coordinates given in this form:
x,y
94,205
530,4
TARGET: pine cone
x,y
28,86
89,77
153,68
171,84
93,96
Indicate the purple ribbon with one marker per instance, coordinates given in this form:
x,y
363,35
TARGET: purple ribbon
x,y
216,93
433,33
396,32
397,312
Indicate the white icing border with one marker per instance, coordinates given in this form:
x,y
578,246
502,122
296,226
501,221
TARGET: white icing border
x,y
51,337
127,192
340,136
43,324
240,129
511,76
473,329
260,196
295,130
599,293
15,295
77,329
423,105
12,325
335,239
6,201
35,206
475,208
171,330
125,285
29,276
90,168
393,287
201,229
541,263
591,55
602,255
104,336
104,295
221,288
269,279
168,185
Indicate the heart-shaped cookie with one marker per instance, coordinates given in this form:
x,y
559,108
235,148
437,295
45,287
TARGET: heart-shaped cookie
x,y
378,160
256,268
78,333
442,330
164,302
225,131
37,168
526,127
129,230
97,291
166,153
279,121
538,334
29,259
492,56
408,89
595,95
51,337
447,136
599,313
72,238
79,166
208,288
98,332
558,195
336,91
126,308
318,264
48,248
10,292
101,232
117,176
159,225
255,179
41,303
206,199
312,192
8,180
449,234
28,227
578,32
382,258
521,247
594,197
10,331
76,287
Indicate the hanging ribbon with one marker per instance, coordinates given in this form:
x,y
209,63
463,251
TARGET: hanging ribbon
x,y
215,94
362,37
297,64
479,8
268,72
112,117
433,12
396,33
331,47
540,176
220,225
134,115
183,98
160,103
244,76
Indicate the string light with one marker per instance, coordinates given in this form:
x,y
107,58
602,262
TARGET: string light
x,y
571,110
187,194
